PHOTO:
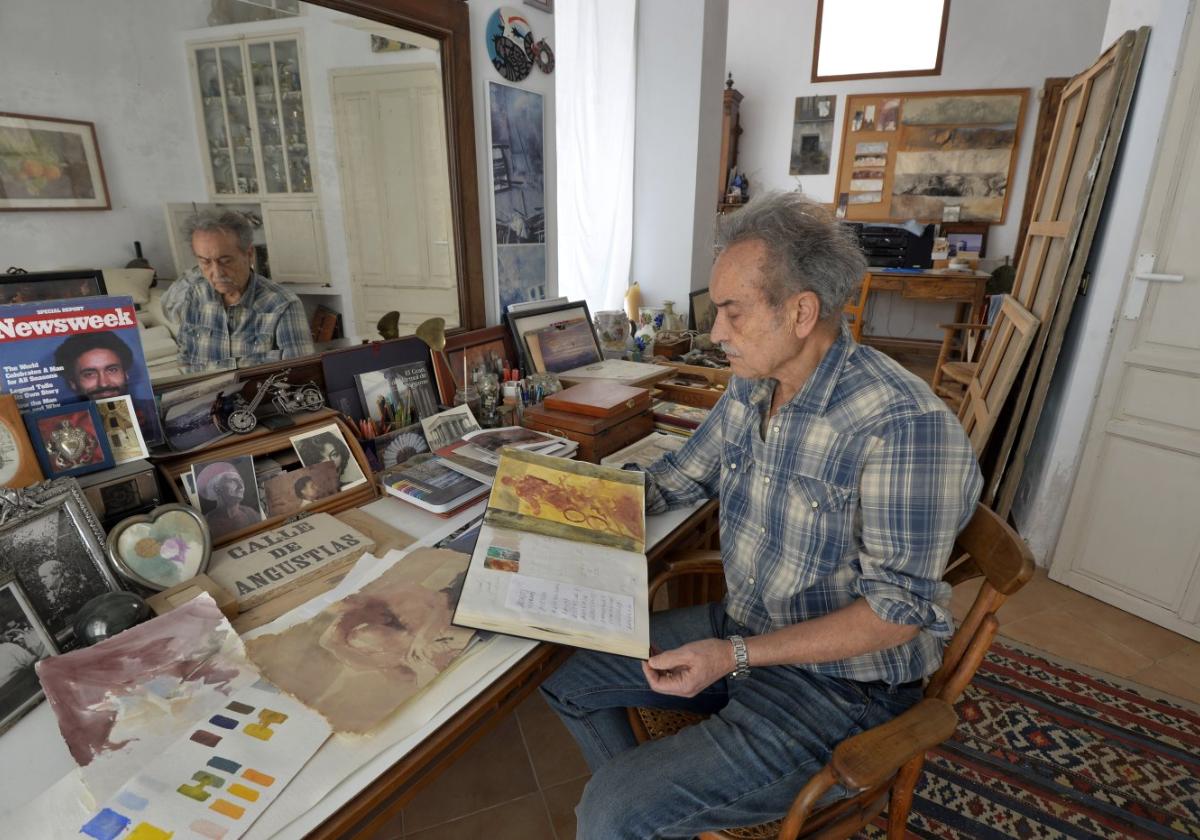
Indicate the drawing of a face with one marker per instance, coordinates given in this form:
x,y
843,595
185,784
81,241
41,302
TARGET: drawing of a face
x,y
393,628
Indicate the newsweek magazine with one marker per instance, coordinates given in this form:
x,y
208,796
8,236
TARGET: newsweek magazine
x,y
60,352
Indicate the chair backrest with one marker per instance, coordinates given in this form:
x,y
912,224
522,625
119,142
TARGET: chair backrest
x,y
854,309
987,547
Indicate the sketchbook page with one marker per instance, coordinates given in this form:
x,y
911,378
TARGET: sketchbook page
x,y
540,587
617,370
571,500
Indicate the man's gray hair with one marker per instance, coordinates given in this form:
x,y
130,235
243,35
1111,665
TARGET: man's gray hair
x,y
214,221
807,249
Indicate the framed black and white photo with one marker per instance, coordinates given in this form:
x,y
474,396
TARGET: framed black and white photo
x,y
51,541
700,311
24,641
327,444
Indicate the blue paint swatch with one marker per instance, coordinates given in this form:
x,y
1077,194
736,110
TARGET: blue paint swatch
x,y
223,722
131,800
106,825
224,764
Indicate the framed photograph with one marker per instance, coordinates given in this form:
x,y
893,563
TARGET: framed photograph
x,y
69,439
50,164
292,491
162,548
966,237
19,465
228,494
327,444
24,287
701,313
526,324
52,543
485,347
120,426
24,641
543,5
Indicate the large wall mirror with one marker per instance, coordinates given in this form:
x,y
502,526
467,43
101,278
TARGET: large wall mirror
x,y
343,129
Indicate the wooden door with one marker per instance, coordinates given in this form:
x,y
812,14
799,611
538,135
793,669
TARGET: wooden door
x,y
1131,535
396,195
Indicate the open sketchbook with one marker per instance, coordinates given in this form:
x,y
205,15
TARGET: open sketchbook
x,y
561,556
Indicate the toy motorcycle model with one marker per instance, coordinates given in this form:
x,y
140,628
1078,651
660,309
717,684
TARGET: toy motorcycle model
x,y
287,398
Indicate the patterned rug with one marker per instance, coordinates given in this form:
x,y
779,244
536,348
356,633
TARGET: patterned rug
x,y
1046,751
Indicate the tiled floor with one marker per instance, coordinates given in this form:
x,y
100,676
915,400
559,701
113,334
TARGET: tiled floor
x,y
523,779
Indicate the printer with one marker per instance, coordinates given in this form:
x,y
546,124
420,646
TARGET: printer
x,y
907,245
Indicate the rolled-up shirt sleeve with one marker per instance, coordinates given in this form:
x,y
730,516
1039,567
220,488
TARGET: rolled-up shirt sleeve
x,y
919,488
691,473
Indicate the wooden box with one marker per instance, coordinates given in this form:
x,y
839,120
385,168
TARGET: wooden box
x,y
599,399
596,436
277,444
698,395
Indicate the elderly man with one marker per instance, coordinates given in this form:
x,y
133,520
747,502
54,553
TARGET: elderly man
x,y
228,315
843,482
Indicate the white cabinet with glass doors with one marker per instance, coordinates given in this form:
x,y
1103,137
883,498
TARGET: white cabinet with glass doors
x,y
253,123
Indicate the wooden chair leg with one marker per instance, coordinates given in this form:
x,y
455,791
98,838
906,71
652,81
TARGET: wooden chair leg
x,y
943,356
902,796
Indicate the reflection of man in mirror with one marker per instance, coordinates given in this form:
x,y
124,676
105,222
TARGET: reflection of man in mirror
x,y
99,365
227,313
223,484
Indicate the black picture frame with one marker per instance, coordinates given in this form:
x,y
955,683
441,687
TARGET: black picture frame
x,y
526,321
699,307
21,627
34,286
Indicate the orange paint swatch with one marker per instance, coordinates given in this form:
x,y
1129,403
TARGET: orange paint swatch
x,y
258,778
244,792
228,809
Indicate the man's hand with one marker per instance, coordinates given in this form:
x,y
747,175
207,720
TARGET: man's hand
x,y
688,670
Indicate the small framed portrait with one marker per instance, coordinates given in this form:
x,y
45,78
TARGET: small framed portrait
x,y
69,439
121,428
52,543
228,492
292,491
966,238
162,548
327,444
701,313
24,641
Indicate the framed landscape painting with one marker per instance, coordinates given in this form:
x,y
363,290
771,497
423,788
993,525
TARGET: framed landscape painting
x,y
50,164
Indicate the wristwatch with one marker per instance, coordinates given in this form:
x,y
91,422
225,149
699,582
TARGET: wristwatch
x,y
741,659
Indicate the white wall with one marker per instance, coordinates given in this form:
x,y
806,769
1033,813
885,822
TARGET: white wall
x,y
680,63
1053,459
108,64
989,44
483,72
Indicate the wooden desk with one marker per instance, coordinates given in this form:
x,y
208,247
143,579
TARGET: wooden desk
x,y
966,288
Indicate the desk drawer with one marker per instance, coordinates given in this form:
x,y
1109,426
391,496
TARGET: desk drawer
x,y
931,289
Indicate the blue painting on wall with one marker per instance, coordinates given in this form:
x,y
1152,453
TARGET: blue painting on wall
x,y
520,273
518,176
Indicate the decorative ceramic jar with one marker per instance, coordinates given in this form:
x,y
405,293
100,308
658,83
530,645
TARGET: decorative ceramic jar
x,y
612,328
671,319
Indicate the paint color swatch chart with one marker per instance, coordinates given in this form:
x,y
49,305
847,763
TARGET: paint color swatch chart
x,y
217,779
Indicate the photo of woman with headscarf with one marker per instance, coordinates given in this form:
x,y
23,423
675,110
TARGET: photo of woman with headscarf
x,y
228,494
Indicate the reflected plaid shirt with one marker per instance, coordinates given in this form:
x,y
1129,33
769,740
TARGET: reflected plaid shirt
x,y
856,488
267,324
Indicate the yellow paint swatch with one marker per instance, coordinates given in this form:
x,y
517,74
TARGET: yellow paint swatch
x,y
228,809
145,831
244,792
257,777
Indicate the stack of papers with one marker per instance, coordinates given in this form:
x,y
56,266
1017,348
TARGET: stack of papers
x,y
476,454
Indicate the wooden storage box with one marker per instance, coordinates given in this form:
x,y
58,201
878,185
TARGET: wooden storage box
x,y
274,443
596,436
697,395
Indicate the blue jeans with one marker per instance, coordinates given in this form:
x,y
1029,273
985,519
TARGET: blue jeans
x,y
767,735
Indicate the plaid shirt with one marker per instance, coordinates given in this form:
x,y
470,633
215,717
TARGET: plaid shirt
x,y
266,325
856,488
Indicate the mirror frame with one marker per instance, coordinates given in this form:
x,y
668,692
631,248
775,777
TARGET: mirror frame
x,y
448,22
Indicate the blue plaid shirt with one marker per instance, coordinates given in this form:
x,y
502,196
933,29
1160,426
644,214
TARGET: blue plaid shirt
x,y
856,488
266,325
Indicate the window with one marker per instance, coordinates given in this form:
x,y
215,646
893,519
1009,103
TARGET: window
x,y
863,39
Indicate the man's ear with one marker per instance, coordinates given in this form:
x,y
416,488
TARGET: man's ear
x,y
804,313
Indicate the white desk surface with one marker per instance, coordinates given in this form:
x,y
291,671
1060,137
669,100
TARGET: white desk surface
x,y
44,797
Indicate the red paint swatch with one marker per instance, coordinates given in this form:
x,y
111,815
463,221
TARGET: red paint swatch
x,y
208,739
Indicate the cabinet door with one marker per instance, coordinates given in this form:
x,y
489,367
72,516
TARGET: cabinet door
x,y
282,118
295,242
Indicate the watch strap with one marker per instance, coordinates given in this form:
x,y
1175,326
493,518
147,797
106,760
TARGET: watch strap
x,y
741,658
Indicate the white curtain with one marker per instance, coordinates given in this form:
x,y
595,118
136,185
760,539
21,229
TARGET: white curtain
x,y
594,91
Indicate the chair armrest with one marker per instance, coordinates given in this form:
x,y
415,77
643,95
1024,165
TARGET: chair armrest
x,y
869,758
687,563
964,326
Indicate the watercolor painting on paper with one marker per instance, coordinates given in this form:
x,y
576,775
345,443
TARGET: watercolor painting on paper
x,y
123,701
360,658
